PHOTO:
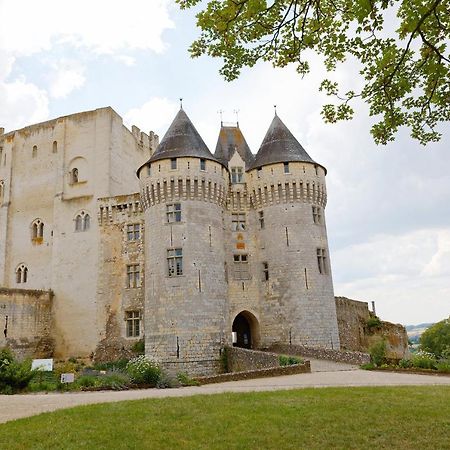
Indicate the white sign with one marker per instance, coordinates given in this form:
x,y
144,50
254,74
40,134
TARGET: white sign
x,y
67,377
45,365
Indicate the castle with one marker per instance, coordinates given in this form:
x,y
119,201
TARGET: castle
x,y
107,236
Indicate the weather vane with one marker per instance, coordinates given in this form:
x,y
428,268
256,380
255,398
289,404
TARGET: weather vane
x,y
275,108
181,103
236,111
221,116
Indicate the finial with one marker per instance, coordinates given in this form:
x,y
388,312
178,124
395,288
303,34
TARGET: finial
x,y
236,111
221,116
181,103
275,108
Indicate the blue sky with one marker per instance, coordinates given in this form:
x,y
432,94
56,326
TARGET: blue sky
x,y
388,213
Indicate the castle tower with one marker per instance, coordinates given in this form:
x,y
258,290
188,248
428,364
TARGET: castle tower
x,y
183,192
287,191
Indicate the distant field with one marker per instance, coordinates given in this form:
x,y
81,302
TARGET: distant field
x,y
329,418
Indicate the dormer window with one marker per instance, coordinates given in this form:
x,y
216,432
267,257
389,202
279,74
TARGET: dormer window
x,y
173,163
286,167
237,175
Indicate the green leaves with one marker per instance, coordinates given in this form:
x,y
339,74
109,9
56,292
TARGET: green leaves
x,y
405,70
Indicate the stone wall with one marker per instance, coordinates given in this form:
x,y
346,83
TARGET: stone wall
x,y
242,359
344,356
26,322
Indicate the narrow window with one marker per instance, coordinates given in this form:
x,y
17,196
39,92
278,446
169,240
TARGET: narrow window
x,y
133,232
87,222
202,164
74,175
149,169
34,152
21,274
265,271
237,175
175,262
2,189
317,214
237,222
37,231
286,167
259,172
322,261
55,147
133,320
133,275
261,219
173,163
82,222
173,212
241,271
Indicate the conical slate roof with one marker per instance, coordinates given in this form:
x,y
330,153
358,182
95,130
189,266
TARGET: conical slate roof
x,y
279,145
181,139
230,140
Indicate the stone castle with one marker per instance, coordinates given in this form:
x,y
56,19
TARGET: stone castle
x,y
107,236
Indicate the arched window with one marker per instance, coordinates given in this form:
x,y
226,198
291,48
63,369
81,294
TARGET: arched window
x,y
34,153
2,189
21,274
55,147
74,175
82,221
37,231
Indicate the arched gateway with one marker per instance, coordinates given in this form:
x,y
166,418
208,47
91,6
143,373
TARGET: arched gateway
x,y
245,330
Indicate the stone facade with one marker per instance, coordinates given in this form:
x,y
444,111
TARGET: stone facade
x,y
253,240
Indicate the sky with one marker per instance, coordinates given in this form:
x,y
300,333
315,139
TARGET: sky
x,y
388,212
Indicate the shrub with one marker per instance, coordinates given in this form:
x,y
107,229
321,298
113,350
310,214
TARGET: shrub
x,y
405,363
373,322
143,370
14,375
443,366
119,364
186,380
436,339
286,360
166,381
424,360
138,347
88,381
367,366
115,380
378,353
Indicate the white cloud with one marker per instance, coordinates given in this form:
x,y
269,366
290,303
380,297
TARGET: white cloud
x,y
103,26
66,76
156,114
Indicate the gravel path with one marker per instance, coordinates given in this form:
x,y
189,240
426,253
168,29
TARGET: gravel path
x,y
325,374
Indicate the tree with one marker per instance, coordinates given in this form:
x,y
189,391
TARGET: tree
x,y
436,339
399,47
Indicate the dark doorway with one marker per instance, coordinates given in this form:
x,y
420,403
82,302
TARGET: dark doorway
x,y
241,327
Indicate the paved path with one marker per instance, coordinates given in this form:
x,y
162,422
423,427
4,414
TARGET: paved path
x,y
325,374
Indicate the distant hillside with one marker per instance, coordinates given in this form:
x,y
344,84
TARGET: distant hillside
x,y
415,331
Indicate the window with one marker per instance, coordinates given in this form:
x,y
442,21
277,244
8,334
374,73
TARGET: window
x,y
149,169
133,276
173,163
55,147
2,189
133,232
265,271
21,274
82,221
261,219
237,175
241,271
202,164
175,262
286,167
173,212
237,222
317,214
34,152
74,175
322,261
133,320
37,230
259,172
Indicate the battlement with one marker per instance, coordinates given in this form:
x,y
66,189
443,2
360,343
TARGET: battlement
x,y
118,209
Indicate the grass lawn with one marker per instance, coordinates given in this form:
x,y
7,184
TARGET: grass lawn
x,y
328,418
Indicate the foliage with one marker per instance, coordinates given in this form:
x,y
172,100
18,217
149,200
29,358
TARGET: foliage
x,y
286,360
143,370
14,375
373,322
405,363
368,366
436,339
378,352
186,380
424,360
331,418
224,360
139,347
166,381
399,48
443,366
119,364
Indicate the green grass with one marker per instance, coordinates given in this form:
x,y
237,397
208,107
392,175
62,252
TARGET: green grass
x,y
330,418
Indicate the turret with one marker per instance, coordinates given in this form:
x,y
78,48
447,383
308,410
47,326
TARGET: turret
x,y
184,190
287,190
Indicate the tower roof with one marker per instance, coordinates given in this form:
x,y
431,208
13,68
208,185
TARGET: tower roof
x,y
230,140
181,139
279,145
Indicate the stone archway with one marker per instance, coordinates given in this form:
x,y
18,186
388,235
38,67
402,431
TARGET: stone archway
x,y
246,327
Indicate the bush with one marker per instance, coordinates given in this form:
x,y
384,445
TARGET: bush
x,y
119,364
405,363
424,360
436,339
143,370
14,375
367,366
138,347
186,380
373,322
443,366
378,353
286,360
